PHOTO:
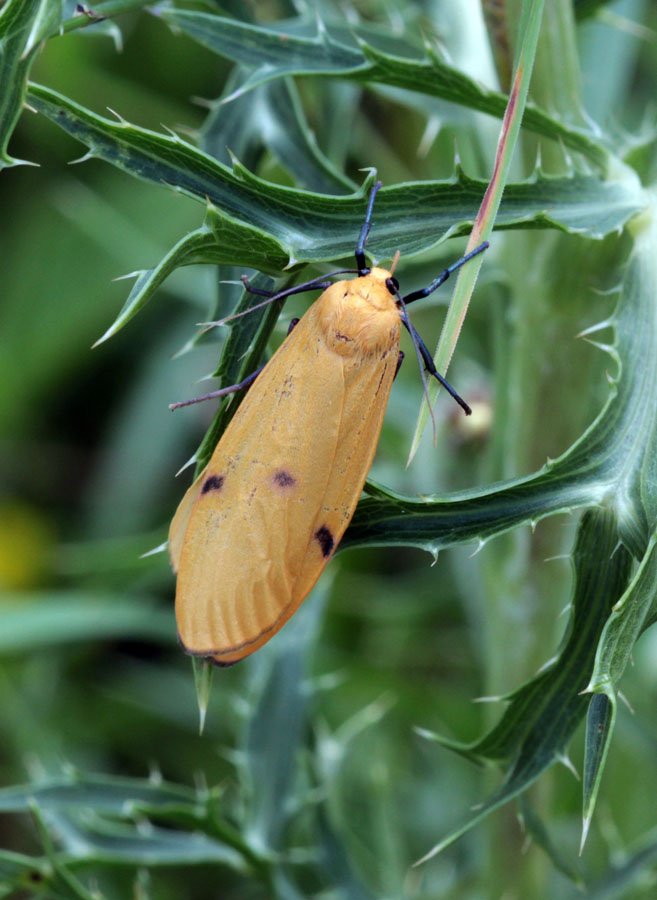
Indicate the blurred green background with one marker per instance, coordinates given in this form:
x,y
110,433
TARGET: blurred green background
x,y
92,676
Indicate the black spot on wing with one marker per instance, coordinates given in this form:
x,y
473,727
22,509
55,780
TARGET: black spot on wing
x,y
283,479
325,539
212,483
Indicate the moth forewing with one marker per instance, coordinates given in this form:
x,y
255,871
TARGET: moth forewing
x,y
254,532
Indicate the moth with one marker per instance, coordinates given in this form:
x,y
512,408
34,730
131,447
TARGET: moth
x,y
255,530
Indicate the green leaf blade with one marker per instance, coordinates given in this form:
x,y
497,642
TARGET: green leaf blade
x,y
289,53
542,715
24,27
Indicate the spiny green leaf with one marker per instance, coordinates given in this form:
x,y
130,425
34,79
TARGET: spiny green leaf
x,y
258,224
571,204
543,714
285,49
251,246
103,793
270,119
203,671
313,227
276,726
611,462
626,624
600,721
219,240
536,829
255,223
65,882
24,27
89,838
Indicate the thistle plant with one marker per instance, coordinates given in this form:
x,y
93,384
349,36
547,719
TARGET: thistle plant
x,y
523,124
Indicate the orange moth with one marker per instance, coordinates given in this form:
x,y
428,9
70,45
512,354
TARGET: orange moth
x,y
255,530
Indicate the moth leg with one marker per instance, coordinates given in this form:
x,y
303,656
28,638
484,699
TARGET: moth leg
x,y
233,388
444,275
430,366
316,283
400,360
222,392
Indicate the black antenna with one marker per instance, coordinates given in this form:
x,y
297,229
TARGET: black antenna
x,y
363,268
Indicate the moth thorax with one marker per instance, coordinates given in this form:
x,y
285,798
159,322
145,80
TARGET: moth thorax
x,y
359,317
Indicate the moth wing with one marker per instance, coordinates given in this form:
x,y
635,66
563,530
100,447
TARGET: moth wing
x,y
180,521
278,493
367,389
